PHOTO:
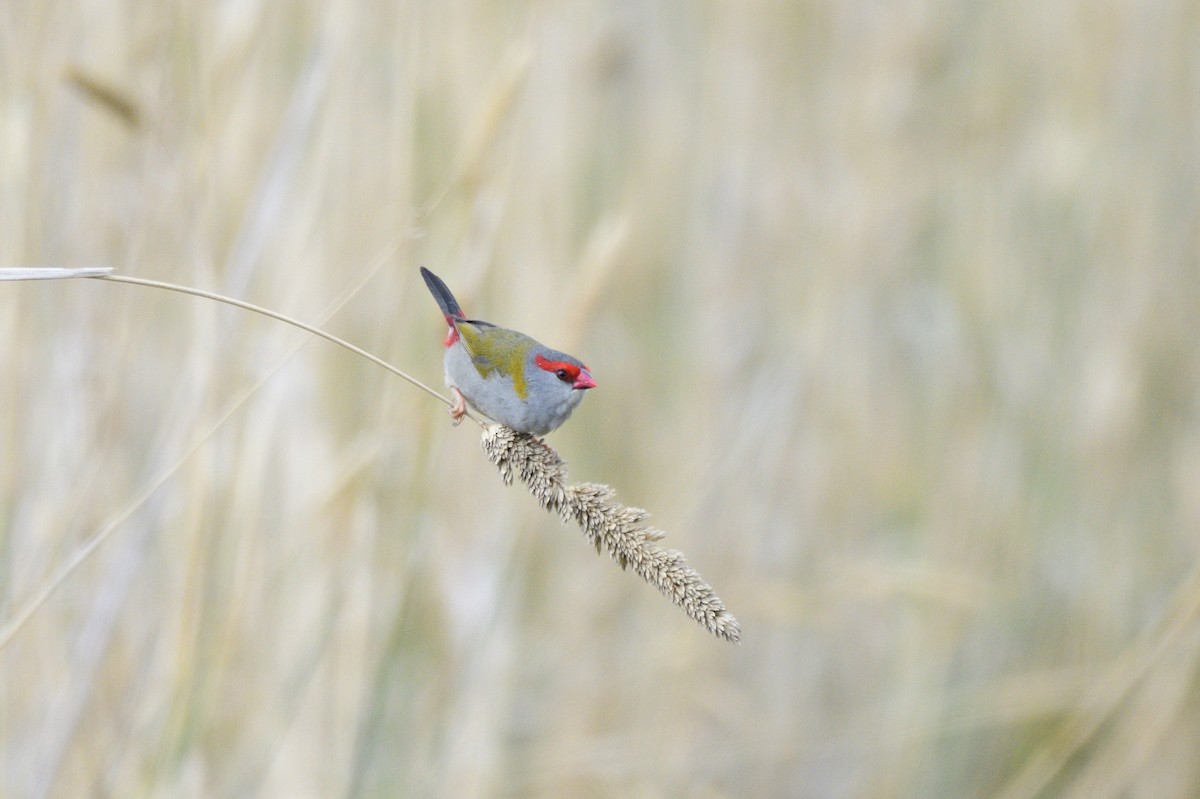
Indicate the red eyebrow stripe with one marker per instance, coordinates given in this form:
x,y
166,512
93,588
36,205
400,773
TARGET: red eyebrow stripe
x,y
553,366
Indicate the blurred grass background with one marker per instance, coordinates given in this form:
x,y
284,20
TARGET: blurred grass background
x,y
893,308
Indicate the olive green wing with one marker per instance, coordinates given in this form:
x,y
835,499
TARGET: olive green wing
x,y
495,350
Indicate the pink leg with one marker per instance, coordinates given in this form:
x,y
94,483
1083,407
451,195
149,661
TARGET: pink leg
x,y
459,409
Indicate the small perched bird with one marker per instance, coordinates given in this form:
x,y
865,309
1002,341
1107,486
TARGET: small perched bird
x,y
506,375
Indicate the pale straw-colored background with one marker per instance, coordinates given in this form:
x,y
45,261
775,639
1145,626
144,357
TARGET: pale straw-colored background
x,y
894,308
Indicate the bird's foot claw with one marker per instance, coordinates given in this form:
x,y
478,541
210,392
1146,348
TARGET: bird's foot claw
x,y
459,409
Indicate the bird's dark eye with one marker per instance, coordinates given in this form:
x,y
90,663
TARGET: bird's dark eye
x,y
563,370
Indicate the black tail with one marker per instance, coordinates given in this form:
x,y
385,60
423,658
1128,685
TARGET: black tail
x,y
441,293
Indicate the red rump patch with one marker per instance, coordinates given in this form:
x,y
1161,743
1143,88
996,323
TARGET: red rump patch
x,y
553,366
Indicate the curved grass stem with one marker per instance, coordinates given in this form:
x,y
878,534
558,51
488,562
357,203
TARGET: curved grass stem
x,y
267,312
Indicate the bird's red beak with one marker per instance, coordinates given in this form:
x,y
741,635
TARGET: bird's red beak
x,y
584,381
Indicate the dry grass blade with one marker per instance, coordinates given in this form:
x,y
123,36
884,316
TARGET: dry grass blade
x,y
51,272
105,94
609,525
